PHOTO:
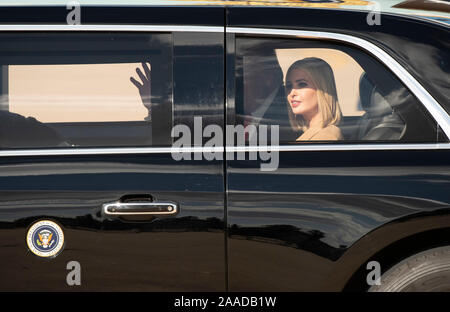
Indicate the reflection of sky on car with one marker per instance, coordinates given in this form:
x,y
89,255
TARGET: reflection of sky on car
x,y
337,214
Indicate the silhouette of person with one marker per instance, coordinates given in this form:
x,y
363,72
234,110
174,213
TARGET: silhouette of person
x,y
17,131
263,94
144,87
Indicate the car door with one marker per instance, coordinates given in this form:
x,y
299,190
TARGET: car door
x,y
293,215
87,168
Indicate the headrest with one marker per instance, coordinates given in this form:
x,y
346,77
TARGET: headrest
x,y
378,104
365,91
372,101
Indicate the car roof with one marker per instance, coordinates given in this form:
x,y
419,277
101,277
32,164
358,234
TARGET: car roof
x,y
433,10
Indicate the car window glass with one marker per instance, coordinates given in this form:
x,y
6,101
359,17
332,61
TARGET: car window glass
x,y
324,92
84,89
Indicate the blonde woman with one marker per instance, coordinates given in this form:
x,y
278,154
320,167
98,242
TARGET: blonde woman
x,y
312,100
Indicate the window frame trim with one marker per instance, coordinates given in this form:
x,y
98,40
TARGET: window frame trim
x,y
221,149
431,105
440,116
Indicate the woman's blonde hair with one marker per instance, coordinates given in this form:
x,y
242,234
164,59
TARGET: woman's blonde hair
x,y
323,80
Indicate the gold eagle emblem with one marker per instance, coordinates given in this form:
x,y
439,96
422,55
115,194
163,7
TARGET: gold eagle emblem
x,y
45,239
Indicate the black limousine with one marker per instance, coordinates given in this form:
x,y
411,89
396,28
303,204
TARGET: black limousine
x,y
225,146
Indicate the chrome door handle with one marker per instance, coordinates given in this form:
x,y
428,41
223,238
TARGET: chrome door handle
x,y
140,209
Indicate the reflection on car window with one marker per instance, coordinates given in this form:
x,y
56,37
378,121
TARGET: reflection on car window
x,y
90,91
329,93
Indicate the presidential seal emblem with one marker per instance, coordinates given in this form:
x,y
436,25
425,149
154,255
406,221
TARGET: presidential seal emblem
x,y
45,239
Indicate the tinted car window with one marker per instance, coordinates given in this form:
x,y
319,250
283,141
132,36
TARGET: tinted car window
x,y
85,90
317,91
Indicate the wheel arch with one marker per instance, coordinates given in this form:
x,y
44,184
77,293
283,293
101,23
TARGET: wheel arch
x,y
389,244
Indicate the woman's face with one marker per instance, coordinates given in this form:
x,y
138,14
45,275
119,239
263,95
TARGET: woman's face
x,y
301,94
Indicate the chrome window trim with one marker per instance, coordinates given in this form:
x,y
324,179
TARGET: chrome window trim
x,y
433,107
220,149
119,28
340,147
429,102
109,150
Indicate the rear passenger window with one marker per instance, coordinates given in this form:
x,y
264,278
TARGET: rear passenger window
x,y
325,92
85,90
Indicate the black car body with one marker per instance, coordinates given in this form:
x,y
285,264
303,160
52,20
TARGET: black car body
x,y
313,224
